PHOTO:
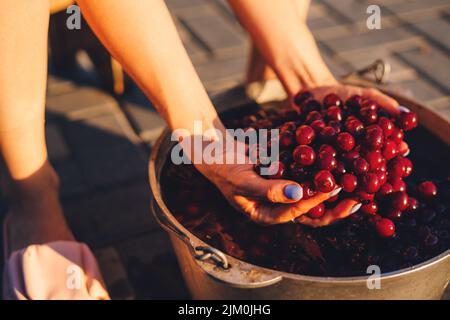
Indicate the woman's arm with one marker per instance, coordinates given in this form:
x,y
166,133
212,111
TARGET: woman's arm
x,y
141,35
280,32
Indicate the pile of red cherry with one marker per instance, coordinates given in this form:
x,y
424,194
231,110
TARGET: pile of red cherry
x,y
355,145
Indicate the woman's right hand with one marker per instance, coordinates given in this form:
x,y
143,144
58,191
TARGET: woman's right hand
x,y
271,201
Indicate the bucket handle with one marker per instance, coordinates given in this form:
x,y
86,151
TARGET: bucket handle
x,y
380,70
201,253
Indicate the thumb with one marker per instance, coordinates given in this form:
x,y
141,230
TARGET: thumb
x,y
276,191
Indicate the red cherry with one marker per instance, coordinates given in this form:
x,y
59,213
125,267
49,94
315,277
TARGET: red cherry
x,y
397,167
308,190
385,190
328,134
289,126
374,138
336,125
326,161
324,181
304,155
413,205
354,126
299,172
275,170
369,103
332,99
333,113
345,141
368,116
313,116
340,169
394,213
427,190
382,176
371,183
386,125
360,166
301,97
317,212
328,149
285,157
397,135
397,184
390,149
399,200
311,105
318,125
369,208
374,158
385,227
354,102
350,156
364,196
407,120
349,182
287,139
408,167
305,134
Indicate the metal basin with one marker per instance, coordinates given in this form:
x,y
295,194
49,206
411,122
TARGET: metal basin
x,y
211,274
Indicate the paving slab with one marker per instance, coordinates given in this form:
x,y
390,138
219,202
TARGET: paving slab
x,y
56,144
114,274
213,31
143,116
152,267
105,217
431,63
104,151
397,38
82,103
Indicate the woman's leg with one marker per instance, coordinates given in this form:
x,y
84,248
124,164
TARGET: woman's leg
x,y
28,180
257,69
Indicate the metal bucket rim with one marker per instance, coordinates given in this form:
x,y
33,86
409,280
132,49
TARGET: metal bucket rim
x,y
155,187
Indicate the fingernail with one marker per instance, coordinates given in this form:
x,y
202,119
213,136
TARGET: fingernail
x,y
404,109
335,192
293,192
356,207
407,153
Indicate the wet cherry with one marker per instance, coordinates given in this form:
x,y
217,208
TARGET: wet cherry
x,y
304,155
324,181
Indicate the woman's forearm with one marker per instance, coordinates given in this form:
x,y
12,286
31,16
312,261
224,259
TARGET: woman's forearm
x,y
141,35
279,31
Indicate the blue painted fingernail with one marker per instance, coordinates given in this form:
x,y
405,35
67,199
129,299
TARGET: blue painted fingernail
x,y
403,109
356,207
293,192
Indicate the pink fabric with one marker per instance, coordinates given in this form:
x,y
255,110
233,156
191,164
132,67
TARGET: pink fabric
x,y
58,270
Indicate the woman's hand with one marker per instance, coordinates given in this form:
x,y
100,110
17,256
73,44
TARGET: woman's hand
x,y
262,200
347,91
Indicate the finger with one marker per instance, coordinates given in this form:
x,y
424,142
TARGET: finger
x,y
274,191
386,102
269,214
344,209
